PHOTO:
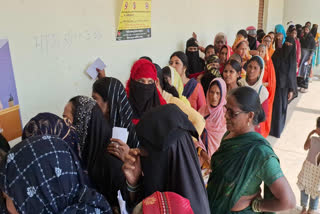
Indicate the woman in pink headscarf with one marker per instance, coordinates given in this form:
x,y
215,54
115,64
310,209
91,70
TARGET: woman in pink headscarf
x,y
213,112
164,203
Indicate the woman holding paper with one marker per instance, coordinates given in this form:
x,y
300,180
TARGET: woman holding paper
x,y
94,132
166,159
111,97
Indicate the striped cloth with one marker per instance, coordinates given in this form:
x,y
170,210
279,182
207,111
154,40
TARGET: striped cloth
x,y
120,111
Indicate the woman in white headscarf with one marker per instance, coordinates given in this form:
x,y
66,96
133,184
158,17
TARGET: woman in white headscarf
x,y
254,79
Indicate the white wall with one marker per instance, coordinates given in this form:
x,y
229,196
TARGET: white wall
x,y
52,42
274,12
300,11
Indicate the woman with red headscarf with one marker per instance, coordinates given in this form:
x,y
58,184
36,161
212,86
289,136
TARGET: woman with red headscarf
x,y
141,89
224,55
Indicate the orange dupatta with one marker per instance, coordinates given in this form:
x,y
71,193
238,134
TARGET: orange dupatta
x,y
270,78
270,48
239,40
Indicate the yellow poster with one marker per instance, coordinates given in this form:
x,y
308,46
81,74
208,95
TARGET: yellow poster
x,y
135,20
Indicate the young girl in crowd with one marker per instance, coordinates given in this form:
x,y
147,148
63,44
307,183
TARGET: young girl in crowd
x,y
309,177
231,74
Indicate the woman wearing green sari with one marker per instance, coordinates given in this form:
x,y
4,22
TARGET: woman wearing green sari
x,y
244,160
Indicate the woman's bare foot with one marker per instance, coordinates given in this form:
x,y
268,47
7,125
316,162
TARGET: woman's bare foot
x,y
311,212
304,211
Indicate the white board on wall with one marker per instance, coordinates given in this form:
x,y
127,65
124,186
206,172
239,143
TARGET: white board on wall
x,y
53,42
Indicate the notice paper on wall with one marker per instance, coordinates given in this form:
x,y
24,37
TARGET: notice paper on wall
x,y
92,70
120,133
135,20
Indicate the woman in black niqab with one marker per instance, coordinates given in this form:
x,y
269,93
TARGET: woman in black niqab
x,y
171,163
94,131
120,113
195,63
285,65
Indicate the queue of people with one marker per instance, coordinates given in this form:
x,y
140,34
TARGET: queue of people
x,y
196,130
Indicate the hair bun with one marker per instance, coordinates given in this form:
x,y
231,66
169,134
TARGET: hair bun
x,y
261,116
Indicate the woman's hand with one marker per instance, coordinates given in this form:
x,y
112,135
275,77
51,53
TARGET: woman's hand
x,y
132,167
316,131
288,43
118,148
246,201
204,157
101,73
290,95
194,35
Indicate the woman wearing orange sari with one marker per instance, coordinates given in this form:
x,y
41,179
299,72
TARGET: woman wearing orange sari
x,y
268,41
269,81
241,47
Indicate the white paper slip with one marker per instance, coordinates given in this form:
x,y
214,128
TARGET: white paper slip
x,y
122,203
92,68
120,133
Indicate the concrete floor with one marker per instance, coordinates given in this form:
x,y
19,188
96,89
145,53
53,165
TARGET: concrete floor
x,y
303,112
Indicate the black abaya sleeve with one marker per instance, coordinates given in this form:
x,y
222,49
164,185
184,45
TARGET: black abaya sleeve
x,y
291,59
186,177
4,145
104,169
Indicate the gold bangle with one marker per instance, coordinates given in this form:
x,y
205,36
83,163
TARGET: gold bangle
x,y
199,151
256,205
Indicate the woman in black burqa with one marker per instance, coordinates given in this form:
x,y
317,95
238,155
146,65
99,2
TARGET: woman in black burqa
x,y
166,160
4,145
285,65
111,96
94,132
195,63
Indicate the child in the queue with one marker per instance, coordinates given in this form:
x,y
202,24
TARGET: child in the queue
x,y
309,177
231,74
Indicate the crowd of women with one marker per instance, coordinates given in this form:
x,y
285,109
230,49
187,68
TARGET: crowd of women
x,y
196,134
